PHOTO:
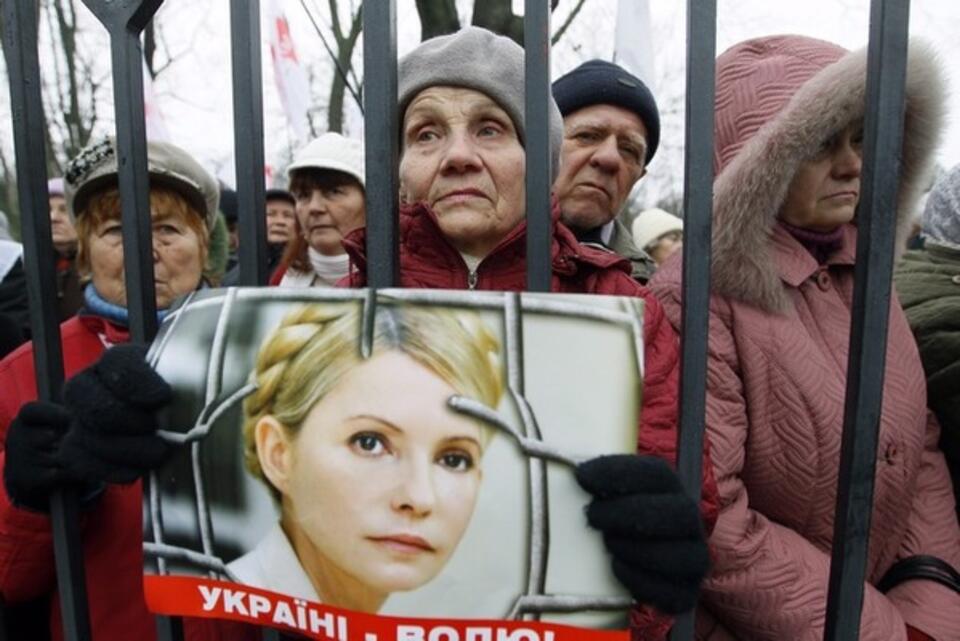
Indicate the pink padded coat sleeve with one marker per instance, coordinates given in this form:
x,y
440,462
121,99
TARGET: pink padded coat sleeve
x,y
767,581
928,606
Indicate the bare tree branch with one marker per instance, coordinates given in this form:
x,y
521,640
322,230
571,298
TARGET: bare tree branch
x,y
566,23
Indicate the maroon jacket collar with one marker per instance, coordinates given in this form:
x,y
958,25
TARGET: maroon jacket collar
x,y
426,252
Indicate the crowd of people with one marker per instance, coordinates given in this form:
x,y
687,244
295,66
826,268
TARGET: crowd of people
x,y
753,554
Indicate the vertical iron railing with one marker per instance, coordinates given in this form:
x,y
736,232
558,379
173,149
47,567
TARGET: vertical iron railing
x,y
537,97
125,19
245,50
381,134
697,226
876,223
29,132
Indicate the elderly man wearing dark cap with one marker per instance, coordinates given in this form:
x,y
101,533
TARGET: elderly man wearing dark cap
x,y
611,131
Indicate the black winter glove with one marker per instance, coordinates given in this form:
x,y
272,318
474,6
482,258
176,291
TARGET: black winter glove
x,y
32,468
114,401
650,527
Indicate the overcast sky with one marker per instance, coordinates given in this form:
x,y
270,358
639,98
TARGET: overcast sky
x,y
194,91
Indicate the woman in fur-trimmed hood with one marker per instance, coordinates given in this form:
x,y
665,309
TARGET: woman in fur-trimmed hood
x,y
789,114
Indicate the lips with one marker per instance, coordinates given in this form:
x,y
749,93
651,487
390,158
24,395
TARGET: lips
x,y
461,194
404,543
595,187
844,193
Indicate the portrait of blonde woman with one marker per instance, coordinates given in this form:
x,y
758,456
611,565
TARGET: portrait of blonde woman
x,y
376,478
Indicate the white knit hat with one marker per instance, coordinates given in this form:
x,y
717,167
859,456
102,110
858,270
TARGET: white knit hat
x,y
941,216
651,224
331,151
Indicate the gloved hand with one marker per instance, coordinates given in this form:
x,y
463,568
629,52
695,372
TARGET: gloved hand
x,y
32,468
114,404
650,526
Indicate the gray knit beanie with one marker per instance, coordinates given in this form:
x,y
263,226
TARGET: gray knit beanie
x,y
478,59
941,217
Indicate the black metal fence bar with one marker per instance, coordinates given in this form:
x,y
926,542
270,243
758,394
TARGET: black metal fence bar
x,y
29,128
697,226
883,128
381,141
245,50
124,22
536,38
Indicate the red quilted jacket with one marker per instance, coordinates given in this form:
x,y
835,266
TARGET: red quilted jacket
x,y
429,261
112,529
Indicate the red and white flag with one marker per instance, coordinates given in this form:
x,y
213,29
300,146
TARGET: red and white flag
x,y
633,45
291,78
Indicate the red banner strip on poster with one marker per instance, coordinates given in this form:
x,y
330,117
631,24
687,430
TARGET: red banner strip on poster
x,y
206,598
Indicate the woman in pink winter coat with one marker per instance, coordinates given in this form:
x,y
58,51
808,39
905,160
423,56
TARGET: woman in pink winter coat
x,y
788,159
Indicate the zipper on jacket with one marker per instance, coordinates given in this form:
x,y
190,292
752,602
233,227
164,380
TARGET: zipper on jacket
x,y
471,279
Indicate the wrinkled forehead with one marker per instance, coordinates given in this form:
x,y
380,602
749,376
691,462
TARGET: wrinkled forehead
x,y
447,102
609,119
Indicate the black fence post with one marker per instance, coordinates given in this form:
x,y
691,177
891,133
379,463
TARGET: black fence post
x,y
124,21
245,49
29,130
381,141
697,229
536,39
883,130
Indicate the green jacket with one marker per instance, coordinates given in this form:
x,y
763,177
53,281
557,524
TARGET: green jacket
x,y
928,283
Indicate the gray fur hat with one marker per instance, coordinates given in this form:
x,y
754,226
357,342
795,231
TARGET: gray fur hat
x,y
95,167
474,58
941,216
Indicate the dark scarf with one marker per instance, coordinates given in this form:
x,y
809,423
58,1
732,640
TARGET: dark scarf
x,y
820,244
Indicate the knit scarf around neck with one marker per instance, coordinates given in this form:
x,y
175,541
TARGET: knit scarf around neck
x,y
329,269
96,304
820,244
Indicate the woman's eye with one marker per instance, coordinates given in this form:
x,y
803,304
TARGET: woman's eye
x,y
426,135
369,443
167,229
488,131
112,230
457,461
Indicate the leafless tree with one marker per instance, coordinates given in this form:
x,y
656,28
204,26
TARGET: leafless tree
x,y
437,17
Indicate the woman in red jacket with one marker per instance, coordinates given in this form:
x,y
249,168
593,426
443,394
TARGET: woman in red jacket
x,y
463,227
49,446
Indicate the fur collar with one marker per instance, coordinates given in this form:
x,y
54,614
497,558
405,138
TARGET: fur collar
x,y
750,190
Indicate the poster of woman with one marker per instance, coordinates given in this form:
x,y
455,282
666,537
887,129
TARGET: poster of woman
x,y
396,453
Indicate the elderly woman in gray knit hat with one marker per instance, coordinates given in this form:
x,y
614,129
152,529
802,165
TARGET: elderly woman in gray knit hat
x,y
462,225
928,282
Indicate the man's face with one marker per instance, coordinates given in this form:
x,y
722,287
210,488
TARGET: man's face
x,y
281,221
603,155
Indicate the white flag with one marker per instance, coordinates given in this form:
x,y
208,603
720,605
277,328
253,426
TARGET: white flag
x,y
156,127
290,76
633,45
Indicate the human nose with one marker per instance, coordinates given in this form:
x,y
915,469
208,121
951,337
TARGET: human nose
x,y
848,161
461,153
415,494
606,156
317,202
